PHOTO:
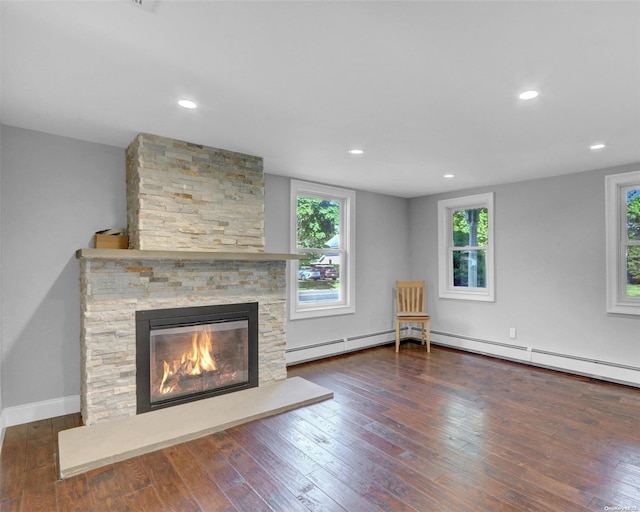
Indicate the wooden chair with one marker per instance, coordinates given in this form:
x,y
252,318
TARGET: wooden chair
x,y
410,304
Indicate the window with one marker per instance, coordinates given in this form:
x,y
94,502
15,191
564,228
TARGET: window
x,y
465,248
623,243
322,232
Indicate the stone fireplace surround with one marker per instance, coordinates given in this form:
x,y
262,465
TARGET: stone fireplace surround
x,y
196,217
114,287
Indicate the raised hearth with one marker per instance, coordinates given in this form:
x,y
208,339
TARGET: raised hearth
x,y
90,447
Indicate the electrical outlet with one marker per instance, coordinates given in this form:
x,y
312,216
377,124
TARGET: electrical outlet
x,y
512,333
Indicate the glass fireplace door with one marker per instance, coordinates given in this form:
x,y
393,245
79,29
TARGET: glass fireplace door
x,y
198,358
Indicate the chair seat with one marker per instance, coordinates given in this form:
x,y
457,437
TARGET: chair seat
x,y
407,314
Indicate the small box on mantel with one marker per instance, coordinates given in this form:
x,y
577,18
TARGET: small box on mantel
x,y
111,241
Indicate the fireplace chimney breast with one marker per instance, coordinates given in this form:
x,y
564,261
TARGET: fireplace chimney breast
x,y
188,197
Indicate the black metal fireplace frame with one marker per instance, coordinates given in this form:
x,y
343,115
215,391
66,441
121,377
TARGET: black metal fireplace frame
x,y
174,317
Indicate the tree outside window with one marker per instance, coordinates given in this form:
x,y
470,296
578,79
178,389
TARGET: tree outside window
x,y
465,248
318,241
632,242
470,239
623,242
322,234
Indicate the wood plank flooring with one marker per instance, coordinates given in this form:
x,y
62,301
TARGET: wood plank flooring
x,y
408,432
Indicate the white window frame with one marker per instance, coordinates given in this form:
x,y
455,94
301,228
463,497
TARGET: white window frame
x,y
616,242
346,304
447,290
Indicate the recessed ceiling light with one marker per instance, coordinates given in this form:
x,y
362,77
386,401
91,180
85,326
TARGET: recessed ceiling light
x,y
187,104
449,176
595,147
528,95
356,151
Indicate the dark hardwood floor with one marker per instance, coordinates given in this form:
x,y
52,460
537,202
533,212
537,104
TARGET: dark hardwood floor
x,y
413,431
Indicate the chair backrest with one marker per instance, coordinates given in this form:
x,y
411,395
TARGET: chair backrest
x,y
410,296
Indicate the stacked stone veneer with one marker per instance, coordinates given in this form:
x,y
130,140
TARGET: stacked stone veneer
x,y
184,196
113,290
180,197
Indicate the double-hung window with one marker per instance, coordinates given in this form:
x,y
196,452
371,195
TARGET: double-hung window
x,y
623,243
465,248
322,234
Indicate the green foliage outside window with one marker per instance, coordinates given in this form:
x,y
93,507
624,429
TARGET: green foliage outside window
x,y
633,214
633,234
470,229
318,221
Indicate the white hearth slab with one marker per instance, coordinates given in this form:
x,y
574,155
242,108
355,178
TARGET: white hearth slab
x,y
84,448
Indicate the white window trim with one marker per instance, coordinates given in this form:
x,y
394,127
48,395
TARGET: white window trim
x,y
445,237
617,301
347,263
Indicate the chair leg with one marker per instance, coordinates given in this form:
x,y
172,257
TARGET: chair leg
x,y
428,336
423,339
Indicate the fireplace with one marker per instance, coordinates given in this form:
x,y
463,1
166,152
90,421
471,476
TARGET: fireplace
x,y
186,354
196,238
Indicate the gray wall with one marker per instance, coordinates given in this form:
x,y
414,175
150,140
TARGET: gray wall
x,y
56,192
550,272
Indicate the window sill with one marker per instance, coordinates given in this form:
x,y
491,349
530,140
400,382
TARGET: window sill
x,y
321,311
624,309
467,295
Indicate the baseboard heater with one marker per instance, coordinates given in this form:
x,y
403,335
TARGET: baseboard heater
x,y
589,367
342,340
296,355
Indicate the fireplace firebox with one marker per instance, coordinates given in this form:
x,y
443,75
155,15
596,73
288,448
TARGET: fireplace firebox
x,y
186,354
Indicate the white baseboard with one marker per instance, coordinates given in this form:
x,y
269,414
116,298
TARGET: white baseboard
x,y
337,347
602,370
612,372
40,410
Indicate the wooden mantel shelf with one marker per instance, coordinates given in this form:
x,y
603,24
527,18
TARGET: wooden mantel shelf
x,y
134,254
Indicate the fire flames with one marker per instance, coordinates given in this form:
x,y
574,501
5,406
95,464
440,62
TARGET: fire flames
x,y
191,363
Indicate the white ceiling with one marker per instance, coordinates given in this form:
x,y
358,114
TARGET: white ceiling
x,y
424,87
